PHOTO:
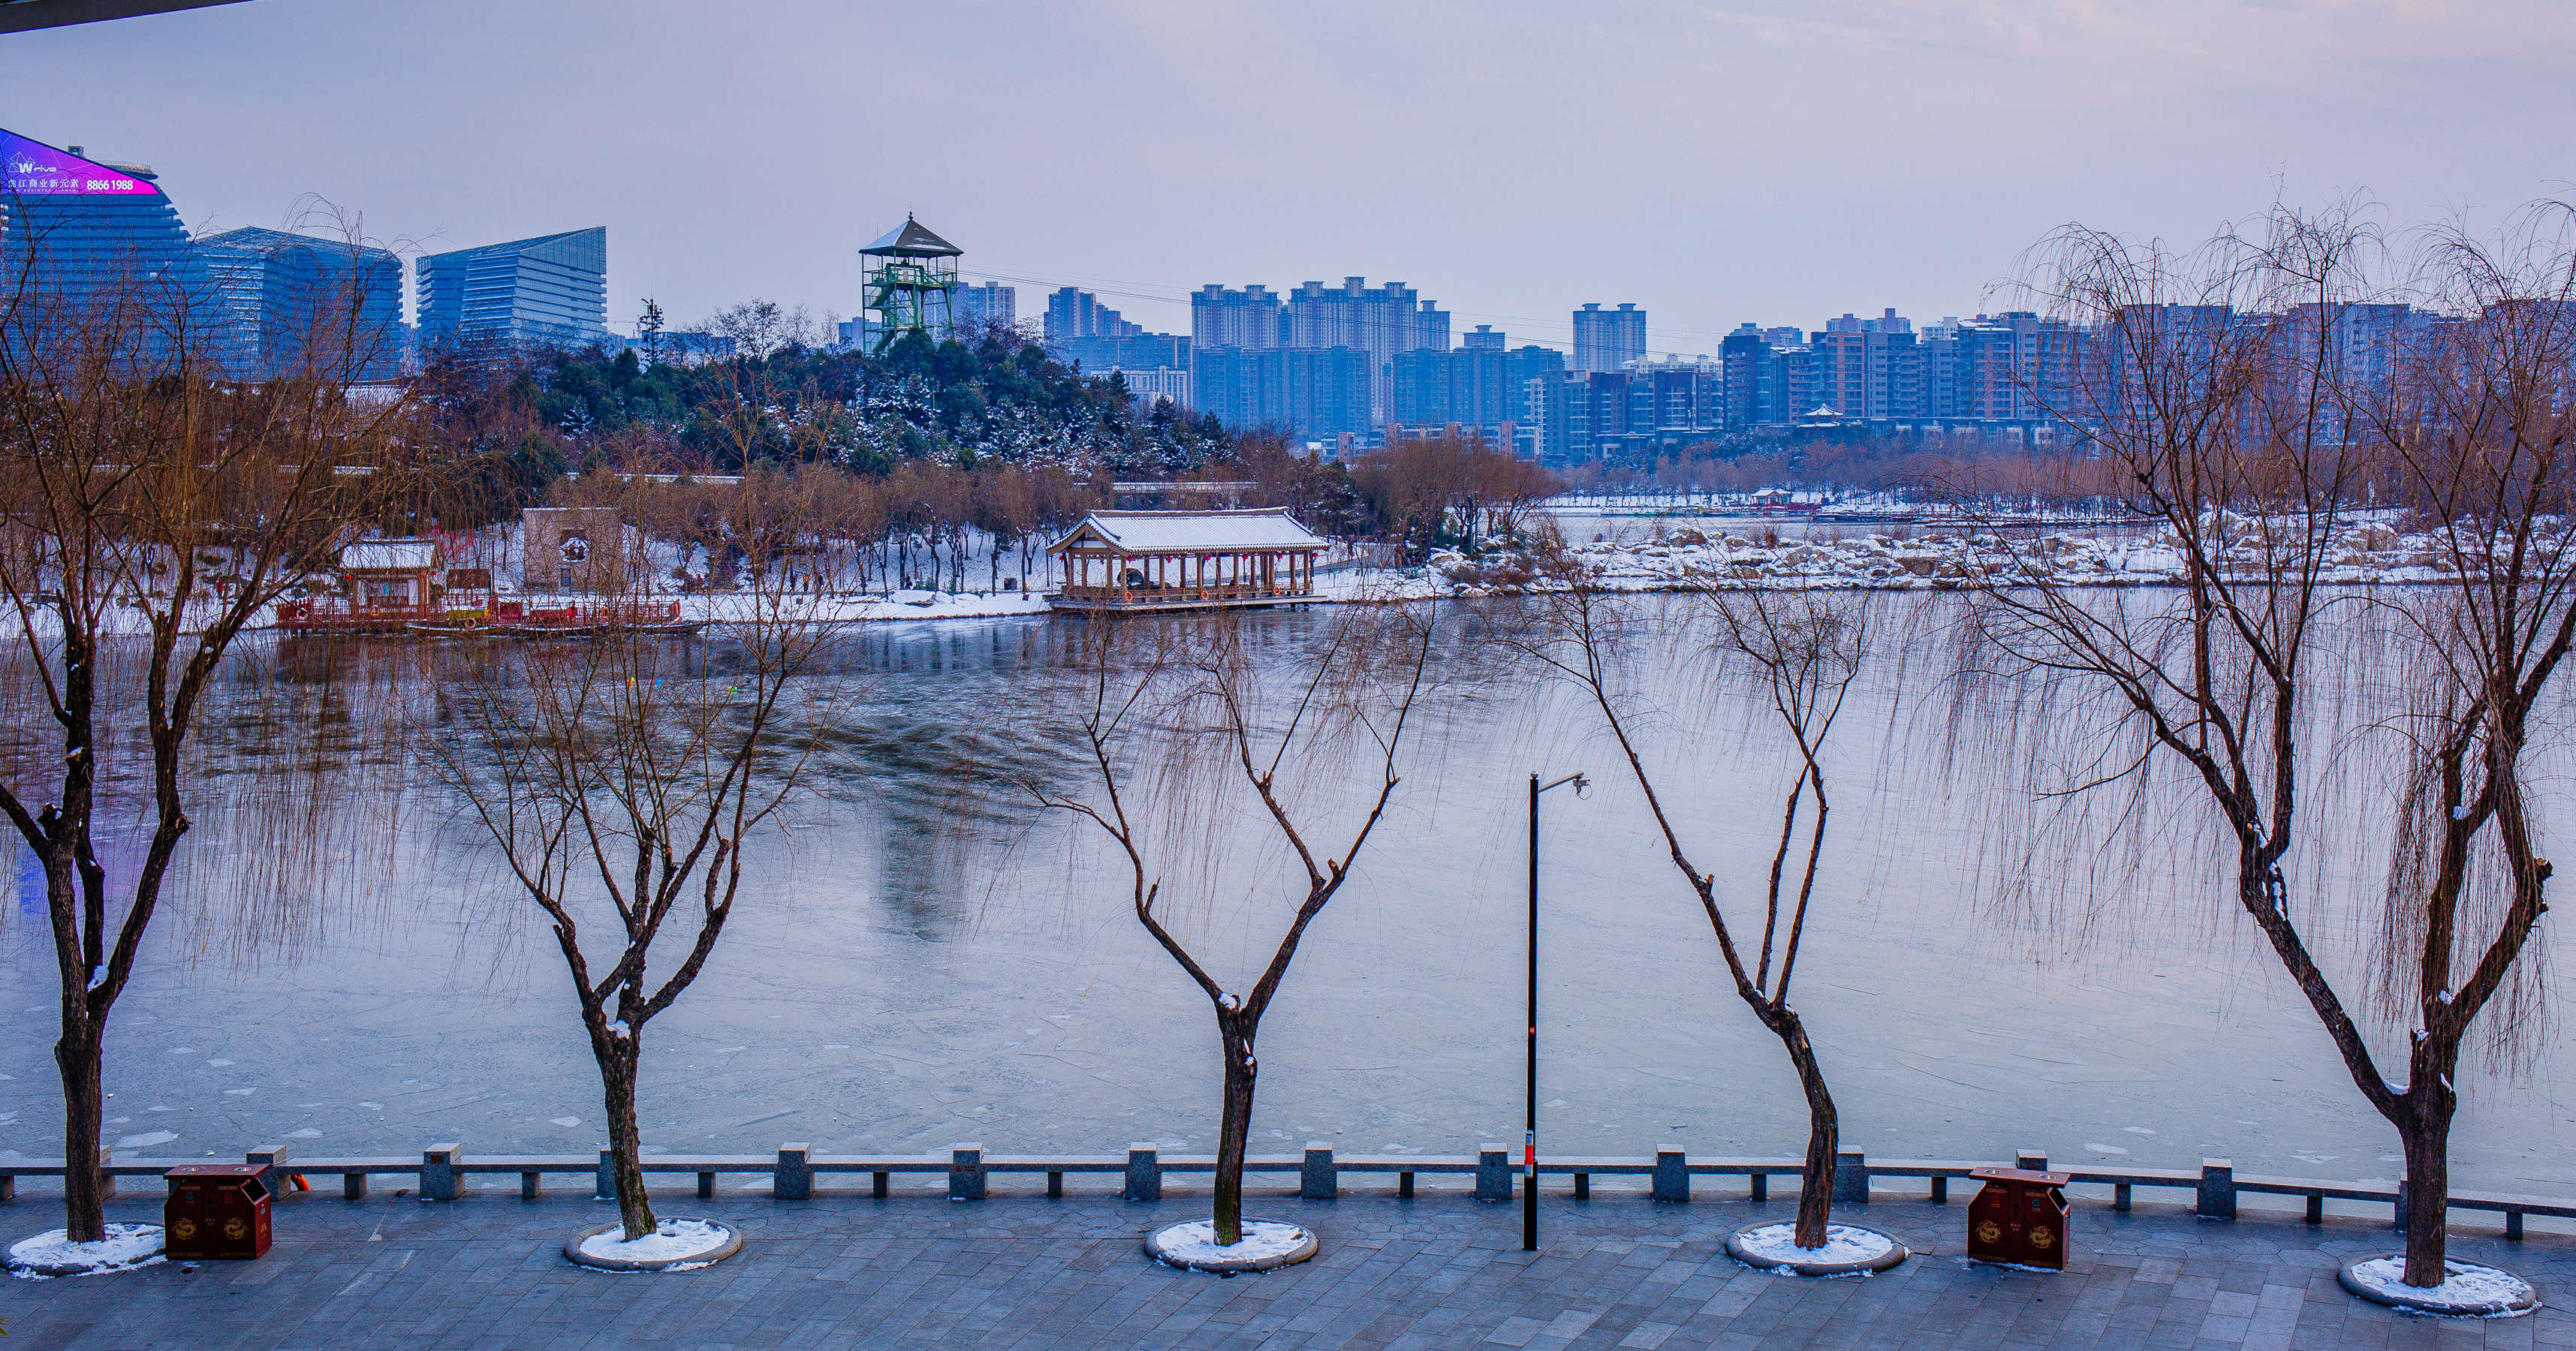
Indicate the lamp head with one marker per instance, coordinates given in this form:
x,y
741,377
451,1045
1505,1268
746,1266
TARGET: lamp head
x,y
1582,786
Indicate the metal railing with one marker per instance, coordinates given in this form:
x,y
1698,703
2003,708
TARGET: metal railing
x,y
443,1172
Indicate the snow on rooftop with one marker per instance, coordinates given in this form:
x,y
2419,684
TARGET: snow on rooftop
x,y
399,555
1196,531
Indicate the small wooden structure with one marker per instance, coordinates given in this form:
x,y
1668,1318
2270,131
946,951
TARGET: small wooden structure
x,y
391,574
385,586
1123,561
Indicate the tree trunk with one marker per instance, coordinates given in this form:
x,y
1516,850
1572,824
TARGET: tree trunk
x,y
1824,1130
1234,1130
617,1077
76,1053
2426,1138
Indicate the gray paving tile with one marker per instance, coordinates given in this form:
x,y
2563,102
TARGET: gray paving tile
x,y
394,1274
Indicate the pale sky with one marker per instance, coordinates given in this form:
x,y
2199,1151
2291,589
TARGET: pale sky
x,y
1715,161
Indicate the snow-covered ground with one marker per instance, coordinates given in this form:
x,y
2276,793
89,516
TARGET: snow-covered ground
x,y
2363,555
1776,1246
52,1253
673,1241
2471,1289
1193,1243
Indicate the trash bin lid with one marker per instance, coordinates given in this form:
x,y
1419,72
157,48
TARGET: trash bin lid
x,y
2022,1175
217,1170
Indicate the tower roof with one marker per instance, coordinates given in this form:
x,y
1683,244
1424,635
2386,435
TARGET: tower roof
x,y
912,240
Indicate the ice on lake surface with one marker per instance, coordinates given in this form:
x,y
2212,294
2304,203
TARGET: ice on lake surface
x,y
922,915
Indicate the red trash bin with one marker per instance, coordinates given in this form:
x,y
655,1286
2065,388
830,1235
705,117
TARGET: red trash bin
x,y
216,1211
2019,1217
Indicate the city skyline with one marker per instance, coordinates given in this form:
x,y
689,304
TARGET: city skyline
x,y
735,160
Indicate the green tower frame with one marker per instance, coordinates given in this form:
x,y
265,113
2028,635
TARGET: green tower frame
x,y
911,285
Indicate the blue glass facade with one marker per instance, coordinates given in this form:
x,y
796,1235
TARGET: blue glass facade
x,y
297,304
551,291
78,237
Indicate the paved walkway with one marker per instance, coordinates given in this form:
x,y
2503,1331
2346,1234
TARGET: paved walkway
x,y
1438,1271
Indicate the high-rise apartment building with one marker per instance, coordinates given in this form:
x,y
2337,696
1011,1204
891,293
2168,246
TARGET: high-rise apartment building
x,y
1072,313
1378,320
1651,408
298,304
1485,337
88,234
1607,340
983,304
1082,332
1317,393
1144,351
1480,390
1251,319
550,291
1155,384
1869,368
1685,398
1766,375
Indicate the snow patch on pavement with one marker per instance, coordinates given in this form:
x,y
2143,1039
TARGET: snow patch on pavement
x,y
670,1241
1195,1241
126,1247
1777,1245
2487,1292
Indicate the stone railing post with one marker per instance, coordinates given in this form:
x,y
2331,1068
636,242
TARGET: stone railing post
x,y
106,1179
266,1158
605,1188
1144,1174
1493,1173
2030,1160
1851,1177
1672,1175
966,1172
793,1179
1317,1179
439,1180
2217,1190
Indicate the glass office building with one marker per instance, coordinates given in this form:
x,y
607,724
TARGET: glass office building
x,y
84,242
294,301
551,291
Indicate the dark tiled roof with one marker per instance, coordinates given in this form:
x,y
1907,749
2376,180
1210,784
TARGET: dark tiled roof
x,y
912,239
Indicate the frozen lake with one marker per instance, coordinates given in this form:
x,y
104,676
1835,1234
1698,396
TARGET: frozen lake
x,y
929,959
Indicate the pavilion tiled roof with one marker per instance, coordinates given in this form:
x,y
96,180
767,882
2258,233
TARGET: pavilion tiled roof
x,y
1197,531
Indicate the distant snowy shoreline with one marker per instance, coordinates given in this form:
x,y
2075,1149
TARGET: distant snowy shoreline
x,y
2368,554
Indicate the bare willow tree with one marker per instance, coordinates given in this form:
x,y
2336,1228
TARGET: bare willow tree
x,y
2481,436
1173,714
2225,387
623,777
1800,653
150,512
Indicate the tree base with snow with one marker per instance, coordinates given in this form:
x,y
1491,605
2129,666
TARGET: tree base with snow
x,y
1849,1250
52,1253
1267,1245
2472,1291
675,1245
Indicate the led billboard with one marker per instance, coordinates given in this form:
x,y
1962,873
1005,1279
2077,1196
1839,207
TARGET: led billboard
x,y
31,169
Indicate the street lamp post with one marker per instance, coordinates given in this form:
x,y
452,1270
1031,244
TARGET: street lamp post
x,y
1529,1143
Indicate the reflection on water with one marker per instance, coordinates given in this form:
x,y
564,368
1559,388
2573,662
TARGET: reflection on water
x,y
925,957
